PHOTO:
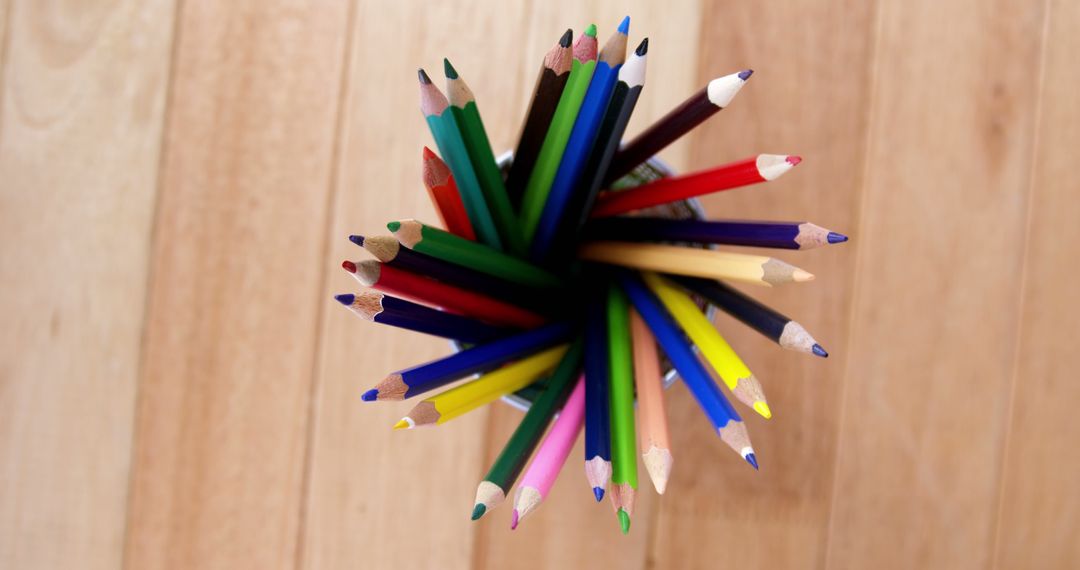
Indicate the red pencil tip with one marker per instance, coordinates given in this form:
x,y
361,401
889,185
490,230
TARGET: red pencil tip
x,y
428,155
349,266
793,159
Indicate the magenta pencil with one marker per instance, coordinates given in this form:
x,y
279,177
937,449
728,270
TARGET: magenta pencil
x,y
551,456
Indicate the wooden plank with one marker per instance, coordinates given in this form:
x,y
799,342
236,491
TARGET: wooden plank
x,y
815,107
238,254
936,302
1040,505
83,103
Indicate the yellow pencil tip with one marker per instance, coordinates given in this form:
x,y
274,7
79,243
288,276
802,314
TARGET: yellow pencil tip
x,y
402,424
800,275
763,409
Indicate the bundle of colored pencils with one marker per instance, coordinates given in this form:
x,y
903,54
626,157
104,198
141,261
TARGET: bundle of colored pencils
x,y
559,278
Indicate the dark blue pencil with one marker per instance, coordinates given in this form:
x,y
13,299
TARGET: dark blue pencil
x,y
677,348
376,306
582,139
781,235
780,329
431,375
597,410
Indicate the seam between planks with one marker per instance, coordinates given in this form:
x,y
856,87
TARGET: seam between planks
x,y
310,428
1018,329
6,11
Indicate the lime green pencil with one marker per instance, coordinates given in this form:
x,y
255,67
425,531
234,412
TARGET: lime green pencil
x,y
547,163
621,373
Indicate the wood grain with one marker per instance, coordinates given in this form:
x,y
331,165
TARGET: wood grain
x,y
937,284
83,102
1040,510
238,255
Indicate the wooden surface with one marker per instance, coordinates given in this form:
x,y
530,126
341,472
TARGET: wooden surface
x,y
179,390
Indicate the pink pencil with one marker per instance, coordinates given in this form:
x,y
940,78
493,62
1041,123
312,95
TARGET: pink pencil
x,y
551,456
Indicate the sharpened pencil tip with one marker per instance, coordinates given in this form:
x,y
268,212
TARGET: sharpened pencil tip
x,y
370,396
752,460
448,69
478,511
402,424
428,154
624,25
393,226
819,351
834,237
514,520
642,48
567,38
358,240
624,521
348,266
793,159
801,275
591,31
763,409
598,492
745,74
424,79
345,299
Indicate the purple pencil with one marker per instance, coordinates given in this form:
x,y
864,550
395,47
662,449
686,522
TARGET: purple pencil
x,y
781,235
378,307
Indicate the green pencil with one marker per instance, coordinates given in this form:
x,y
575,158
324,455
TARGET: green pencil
x,y
504,472
433,105
458,250
621,373
547,163
466,117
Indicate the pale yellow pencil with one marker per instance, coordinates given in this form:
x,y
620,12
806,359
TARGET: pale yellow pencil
x,y
714,348
756,269
653,431
460,400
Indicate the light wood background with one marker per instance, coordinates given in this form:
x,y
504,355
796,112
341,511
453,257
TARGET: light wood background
x,y
179,390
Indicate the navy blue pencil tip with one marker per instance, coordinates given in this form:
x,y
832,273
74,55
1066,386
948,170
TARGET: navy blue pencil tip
x,y
358,240
752,460
819,351
598,492
624,26
345,298
836,238
745,74
370,395
643,48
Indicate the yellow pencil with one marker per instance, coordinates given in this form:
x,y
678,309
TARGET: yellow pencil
x,y
462,399
714,348
756,269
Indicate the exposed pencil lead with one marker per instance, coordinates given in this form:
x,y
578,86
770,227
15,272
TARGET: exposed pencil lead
x,y
642,48
763,409
448,69
403,423
793,159
478,511
370,396
428,154
836,238
745,74
514,520
357,239
819,351
624,521
349,266
393,226
624,25
751,459
591,31
424,79
567,38
598,492
345,299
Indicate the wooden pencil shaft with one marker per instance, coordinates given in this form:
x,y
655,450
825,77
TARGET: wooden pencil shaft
x,y
781,235
659,135
597,403
621,378
754,269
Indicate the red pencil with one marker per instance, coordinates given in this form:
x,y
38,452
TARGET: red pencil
x,y
443,191
414,287
760,168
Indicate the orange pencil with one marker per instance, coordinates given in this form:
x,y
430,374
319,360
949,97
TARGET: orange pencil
x,y
443,191
655,442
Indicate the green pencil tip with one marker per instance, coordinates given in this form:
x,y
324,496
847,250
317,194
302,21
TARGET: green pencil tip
x,y
624,521
478,511
591,31
393,226
448,69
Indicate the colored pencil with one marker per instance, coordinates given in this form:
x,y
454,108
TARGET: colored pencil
x,y
714,348
515,454
649,381
755,269
417,288
761,168
623,433
623,100
562,123
465,398
444,195
597,404
378,307
779,235
780,329
724,418
679,121
433,104
465,116
389,250
582,139
437,373
549,87
449,247
550,456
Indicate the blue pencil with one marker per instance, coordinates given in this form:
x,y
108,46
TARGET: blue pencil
x,y
582,139
674,343
597,411
376,306
780,235
431,375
